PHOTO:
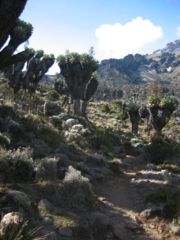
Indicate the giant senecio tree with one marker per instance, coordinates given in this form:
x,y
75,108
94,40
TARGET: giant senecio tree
x,y
13,30
79,73
10,10
161,111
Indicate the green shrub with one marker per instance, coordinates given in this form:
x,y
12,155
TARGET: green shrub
x,y
47,169
105,108
117,104
103,138
160,149
50,136
53,95
154,100
171,167
77,191
132,107
170,197
170,103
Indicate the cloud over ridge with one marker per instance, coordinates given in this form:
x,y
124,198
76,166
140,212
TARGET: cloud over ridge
x,y
118,40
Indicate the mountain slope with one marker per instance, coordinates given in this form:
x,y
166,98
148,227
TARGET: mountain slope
x,y
162,66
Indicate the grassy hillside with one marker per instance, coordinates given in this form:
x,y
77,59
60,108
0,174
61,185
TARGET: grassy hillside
x,y
78,178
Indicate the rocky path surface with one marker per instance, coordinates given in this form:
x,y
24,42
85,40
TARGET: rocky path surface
x,y
121,198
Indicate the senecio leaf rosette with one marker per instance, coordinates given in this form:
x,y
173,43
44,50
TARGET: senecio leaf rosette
x,y
22,31
170,103
132,106
154,100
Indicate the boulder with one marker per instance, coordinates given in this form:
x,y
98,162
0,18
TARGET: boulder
x,y
10,224
19,198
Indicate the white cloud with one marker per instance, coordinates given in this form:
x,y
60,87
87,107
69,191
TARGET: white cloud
x,y
118,40
178,31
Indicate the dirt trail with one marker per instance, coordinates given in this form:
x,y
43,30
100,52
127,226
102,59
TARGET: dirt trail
x,y
122,202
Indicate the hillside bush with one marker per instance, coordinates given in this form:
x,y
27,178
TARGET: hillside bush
x,y
105,108
47,169
117,104
160,149
53,95
77,191
103,138
16,165
170,197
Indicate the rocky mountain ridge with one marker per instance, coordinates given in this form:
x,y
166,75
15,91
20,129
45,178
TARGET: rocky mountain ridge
x,y
162,66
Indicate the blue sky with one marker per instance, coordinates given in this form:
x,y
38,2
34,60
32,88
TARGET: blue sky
x,y
114,27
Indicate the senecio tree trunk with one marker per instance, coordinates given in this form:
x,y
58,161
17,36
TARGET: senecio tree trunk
x,y
133,110
78,71
10,10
